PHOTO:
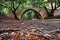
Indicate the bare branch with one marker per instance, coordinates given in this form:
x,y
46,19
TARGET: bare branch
x,y
18,5
13,7
20,2
46,10
55,6
52,6
3,5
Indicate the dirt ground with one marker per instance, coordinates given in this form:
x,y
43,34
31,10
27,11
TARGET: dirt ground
x,y
44,29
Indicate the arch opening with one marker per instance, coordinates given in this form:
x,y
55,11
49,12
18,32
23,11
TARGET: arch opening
x,y
35,12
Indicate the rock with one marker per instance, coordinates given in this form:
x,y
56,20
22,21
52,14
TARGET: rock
x,y
36,37
48,35
22,23
32,37
0,37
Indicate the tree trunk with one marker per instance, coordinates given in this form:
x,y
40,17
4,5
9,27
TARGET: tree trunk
x,y
15,16
51,13
53,9
46,10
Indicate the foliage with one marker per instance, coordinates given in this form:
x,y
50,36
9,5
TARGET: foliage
x,y
12,5
16,5
39,3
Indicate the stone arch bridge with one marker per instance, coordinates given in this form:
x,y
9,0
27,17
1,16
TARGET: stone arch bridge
x,y
41,13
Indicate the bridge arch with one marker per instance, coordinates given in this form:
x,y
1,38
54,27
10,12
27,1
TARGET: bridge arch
x,y
41,13
36,10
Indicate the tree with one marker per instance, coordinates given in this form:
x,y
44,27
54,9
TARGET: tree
x,y
54,5
44,3
12,5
